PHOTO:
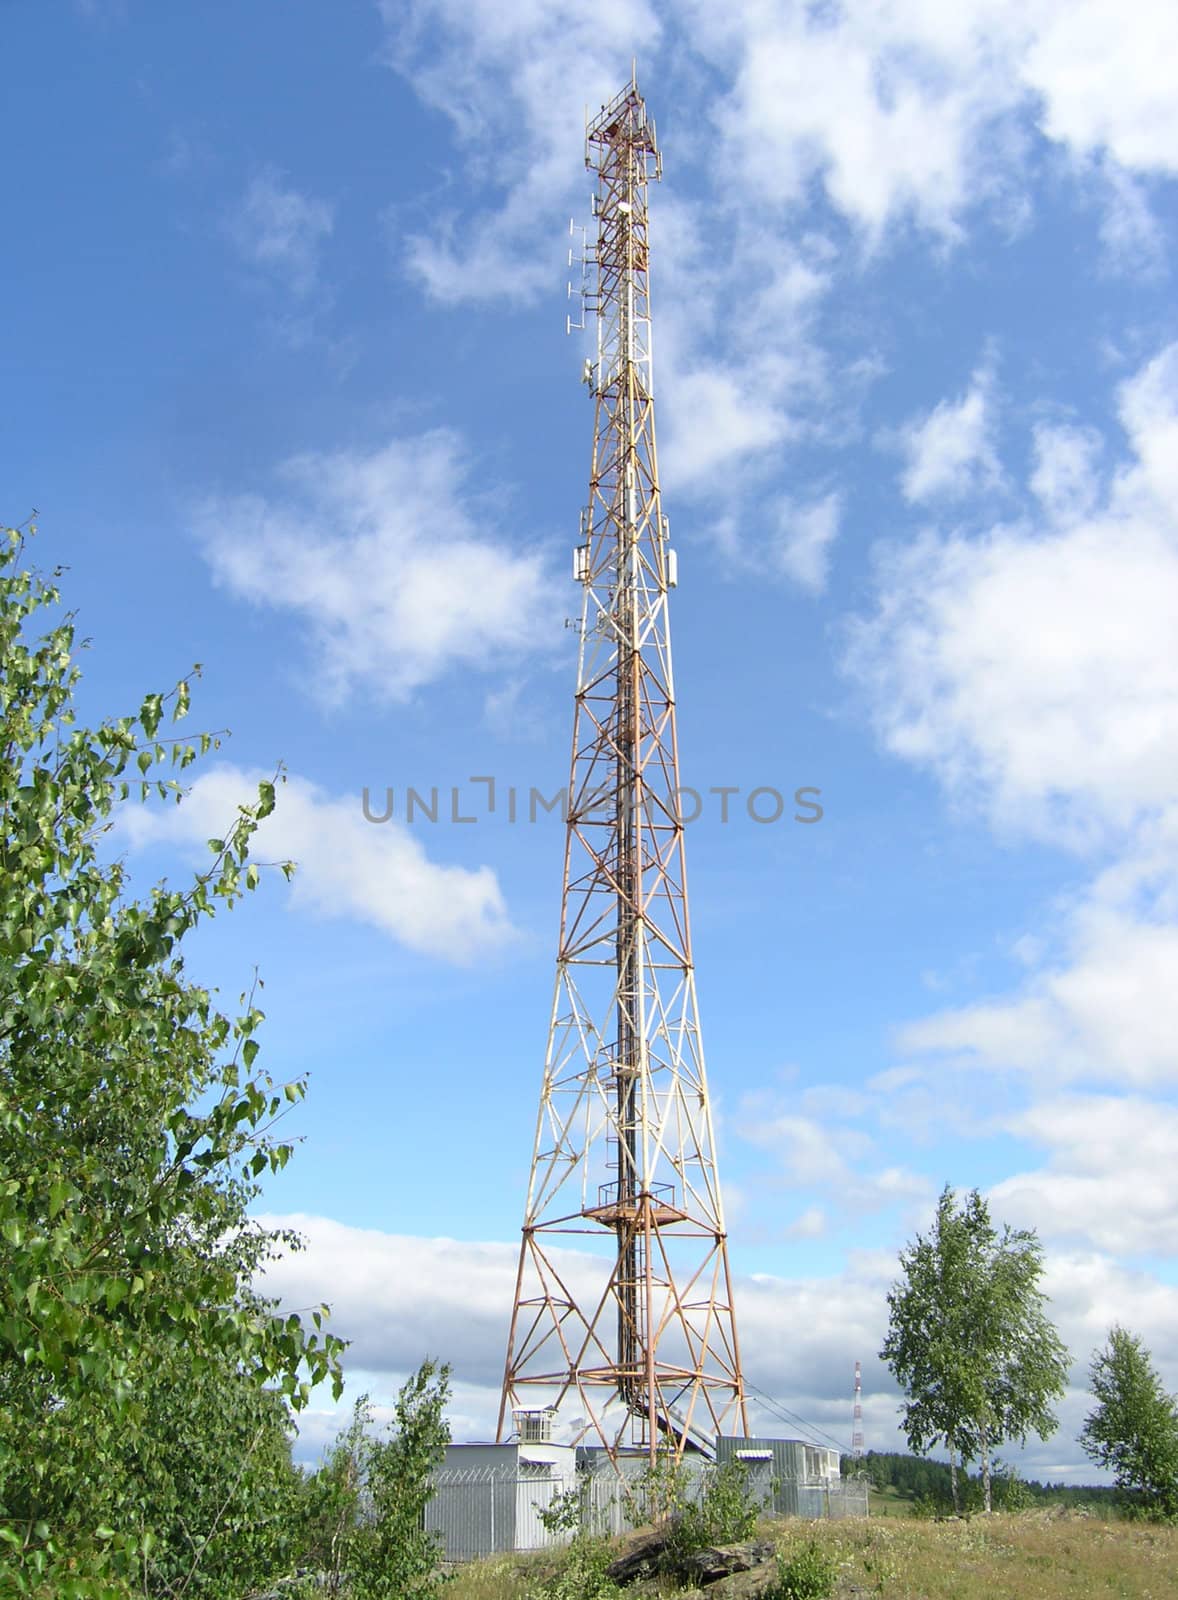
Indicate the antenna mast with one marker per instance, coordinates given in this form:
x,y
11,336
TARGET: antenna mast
x,y
644,1351
857,1419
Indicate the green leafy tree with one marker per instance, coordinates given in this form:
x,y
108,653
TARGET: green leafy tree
x,y
1133,1430
209,1464
969,1340
366,1504
134,1127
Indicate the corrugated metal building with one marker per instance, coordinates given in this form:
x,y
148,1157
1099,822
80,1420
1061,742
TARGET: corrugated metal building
x,y
790,1476
488,1497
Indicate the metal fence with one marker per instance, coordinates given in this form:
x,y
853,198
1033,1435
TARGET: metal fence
x,y
483,1511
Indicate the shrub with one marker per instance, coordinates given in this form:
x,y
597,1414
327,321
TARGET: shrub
x,y
807,1574
581,1574
722,1512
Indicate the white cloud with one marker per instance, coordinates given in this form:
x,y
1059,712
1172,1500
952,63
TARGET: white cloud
x,y
377,874
1110,1177
806,533
1065,480
951,451
833,1099
1132,235
825,1157
401,1298
898,112
280,231
808,1224
1110,1013
808,1152
885,107
514,81
716,417
1099,1002
387,559
734,391
911,110
1104,74
1034,669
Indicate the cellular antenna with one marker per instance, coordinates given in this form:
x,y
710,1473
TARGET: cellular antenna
x,y
635,1335
857,1418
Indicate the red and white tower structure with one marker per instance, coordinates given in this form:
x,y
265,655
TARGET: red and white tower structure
x,y
623,1322
857,1418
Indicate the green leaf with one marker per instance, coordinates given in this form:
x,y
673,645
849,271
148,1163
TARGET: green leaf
x,y
140,1372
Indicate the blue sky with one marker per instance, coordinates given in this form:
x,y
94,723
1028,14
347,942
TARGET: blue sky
x,y
286,377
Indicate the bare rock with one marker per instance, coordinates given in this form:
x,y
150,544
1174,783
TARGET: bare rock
x,y
707,1566
641,1557
747,1585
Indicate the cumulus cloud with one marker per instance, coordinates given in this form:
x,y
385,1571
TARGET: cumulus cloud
x,y
379,875
1064,479
281,231
734,391
1102,74
800,1337
883,107
806,533
1109,1181
900,112
386,558
1132,235
460,1307
951,452
717,417
808,1224
1035,664
897,115
831,1158
1034,667
512,79
1106,1013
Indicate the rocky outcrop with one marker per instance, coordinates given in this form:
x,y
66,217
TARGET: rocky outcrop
x,y
640,1558
747,1585
705,1567
711,1569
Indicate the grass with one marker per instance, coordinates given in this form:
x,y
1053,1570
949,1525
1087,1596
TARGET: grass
x,y
889,1502
1030,1555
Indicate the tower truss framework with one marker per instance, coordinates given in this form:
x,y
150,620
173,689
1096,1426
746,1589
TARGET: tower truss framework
x,y
623,1319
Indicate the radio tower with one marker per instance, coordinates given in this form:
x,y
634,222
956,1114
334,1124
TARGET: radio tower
x,y
643,1352
857,1419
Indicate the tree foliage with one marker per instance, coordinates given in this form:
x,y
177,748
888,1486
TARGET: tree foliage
x,y
134,1127
969,1340
1133,1430
928,1482
365,1506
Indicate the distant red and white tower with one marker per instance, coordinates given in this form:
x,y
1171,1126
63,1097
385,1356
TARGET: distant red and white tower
x,y
857,1418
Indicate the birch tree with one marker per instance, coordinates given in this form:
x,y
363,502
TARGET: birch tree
x,y
1133,1430
969,1340
135,1124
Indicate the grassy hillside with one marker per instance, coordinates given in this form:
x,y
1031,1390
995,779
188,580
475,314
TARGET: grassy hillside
x,y
1035,1555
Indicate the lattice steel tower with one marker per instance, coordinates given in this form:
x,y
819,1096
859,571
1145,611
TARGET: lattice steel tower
x,y
642,1351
